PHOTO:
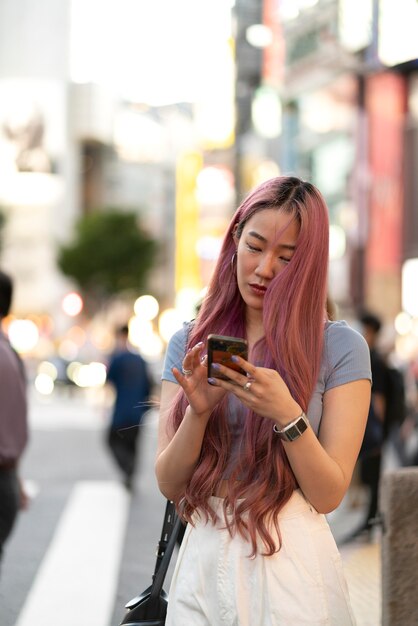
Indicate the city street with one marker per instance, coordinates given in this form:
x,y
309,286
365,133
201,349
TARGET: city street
x,y
85,546
245,168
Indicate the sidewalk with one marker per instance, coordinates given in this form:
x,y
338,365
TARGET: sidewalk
x,y
363,572
361,560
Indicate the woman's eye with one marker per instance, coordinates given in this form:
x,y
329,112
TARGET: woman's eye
x,y
285,260
253,248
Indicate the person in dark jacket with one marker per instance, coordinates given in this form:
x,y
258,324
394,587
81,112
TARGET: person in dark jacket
x,y
129,374
371,458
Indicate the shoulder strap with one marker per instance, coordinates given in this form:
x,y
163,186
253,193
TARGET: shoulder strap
x,y
167,528
170,530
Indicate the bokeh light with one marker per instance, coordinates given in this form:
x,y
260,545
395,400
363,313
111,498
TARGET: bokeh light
x,y
409,287
143,336
337,242
23,335
44,384
72,304
169,321
403,323
47,368
187,300
91,375
68,350
146,307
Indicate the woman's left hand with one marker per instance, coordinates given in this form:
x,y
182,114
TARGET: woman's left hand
x,y
261,389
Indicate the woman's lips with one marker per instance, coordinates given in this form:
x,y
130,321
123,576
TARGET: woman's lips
x,y
258,290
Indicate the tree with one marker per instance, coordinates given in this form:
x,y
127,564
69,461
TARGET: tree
x,y
110,254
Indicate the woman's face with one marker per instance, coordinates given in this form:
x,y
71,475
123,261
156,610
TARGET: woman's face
x,y
265,247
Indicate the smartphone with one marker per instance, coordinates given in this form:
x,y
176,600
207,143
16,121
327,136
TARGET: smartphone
x,y
220,350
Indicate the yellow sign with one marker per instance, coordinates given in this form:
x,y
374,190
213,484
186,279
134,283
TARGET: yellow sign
x,y
187,274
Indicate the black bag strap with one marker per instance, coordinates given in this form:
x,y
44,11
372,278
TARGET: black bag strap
x,y
167,528
170,530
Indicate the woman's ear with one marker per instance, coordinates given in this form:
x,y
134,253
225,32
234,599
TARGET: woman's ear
x,y
234,235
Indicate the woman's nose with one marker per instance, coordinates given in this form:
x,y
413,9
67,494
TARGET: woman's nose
x,y
267,267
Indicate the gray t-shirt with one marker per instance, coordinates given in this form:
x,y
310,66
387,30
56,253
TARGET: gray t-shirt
x,y
345,358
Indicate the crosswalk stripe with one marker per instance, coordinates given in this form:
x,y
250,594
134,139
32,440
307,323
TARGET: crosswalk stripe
x,y
77,579
50,418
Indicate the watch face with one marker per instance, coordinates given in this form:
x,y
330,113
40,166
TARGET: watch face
x,y
293,433
296,430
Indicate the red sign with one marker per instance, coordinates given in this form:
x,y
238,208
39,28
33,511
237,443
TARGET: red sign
x,y
386,106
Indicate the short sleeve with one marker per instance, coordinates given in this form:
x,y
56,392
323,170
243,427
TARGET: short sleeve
x,y
347,355
175,353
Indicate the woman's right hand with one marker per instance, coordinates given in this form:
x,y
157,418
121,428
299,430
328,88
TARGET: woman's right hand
x,y
193,379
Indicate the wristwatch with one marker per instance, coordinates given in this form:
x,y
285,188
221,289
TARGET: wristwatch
x,y
293,430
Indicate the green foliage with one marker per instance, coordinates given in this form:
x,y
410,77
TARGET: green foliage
x,y
110,254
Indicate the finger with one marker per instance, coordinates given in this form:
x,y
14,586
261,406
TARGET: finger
x,y
220,382
187,359
248,367
193,356
180,378
191,359
196,353
235,377
247,385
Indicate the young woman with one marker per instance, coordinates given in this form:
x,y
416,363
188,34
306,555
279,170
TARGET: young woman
x,y
254,462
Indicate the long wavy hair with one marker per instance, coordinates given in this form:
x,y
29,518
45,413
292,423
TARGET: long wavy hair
x,y
294,312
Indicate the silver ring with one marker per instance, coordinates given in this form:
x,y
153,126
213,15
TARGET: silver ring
x,y
186,372
247,385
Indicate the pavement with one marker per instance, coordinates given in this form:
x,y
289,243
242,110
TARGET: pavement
x,y
361,555
361,558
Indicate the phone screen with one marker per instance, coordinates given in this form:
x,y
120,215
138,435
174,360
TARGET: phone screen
x,y
221,349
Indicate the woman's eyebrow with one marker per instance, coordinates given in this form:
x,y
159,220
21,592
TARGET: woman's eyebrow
x,y
253,233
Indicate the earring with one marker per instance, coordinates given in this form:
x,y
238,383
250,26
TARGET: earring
x,y
233,259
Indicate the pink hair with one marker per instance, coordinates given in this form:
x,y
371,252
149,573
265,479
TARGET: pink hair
x,y
293,317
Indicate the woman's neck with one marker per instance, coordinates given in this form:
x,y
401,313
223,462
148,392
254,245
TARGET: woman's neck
x,y
254,327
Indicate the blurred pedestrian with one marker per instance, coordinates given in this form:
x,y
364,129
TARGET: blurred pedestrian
x,y
255,460
370,458
13,422
129,374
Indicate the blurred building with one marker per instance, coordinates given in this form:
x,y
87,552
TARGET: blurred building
x,y
67,148
341,76
106,107
37,156
324,89
349,84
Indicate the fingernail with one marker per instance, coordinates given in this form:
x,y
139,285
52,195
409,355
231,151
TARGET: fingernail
x,y
212,381
216,366
234,358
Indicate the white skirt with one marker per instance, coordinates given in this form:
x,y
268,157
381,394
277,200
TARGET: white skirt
x,y
215,583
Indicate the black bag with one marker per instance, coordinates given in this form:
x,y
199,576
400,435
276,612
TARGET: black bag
x,y
150,607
